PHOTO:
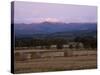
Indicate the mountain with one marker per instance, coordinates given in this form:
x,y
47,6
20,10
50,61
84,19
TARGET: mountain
x,y
54,29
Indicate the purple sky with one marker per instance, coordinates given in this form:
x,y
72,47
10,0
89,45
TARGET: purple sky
x,y
30,12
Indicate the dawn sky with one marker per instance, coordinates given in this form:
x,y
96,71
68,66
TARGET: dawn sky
x,y
30,12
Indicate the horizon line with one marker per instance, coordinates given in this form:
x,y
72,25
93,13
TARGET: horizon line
x,y
52,22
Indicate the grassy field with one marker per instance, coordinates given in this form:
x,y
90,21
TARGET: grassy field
x,y
79,60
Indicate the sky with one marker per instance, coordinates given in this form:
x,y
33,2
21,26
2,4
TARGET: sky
x,y
32,12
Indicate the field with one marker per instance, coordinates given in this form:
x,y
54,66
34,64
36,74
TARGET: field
x,y
79,60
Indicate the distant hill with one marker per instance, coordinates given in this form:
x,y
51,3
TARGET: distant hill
x,y
55,30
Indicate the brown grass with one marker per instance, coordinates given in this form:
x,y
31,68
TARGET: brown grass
x,y
57,63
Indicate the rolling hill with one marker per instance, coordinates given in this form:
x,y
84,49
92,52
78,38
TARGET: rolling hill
x,y
54,30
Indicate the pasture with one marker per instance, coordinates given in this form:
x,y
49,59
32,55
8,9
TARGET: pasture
x,y
79,59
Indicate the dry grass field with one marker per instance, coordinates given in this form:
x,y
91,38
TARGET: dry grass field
x,y
79,60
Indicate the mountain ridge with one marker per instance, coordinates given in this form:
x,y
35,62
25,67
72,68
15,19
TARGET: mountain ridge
x,y
50,27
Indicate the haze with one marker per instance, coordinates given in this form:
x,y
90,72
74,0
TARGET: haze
x,y
31,12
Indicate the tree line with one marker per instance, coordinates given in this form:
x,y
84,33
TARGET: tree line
x,y
88,42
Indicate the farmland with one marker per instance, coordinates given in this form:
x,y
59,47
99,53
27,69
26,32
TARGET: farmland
x,y
80,59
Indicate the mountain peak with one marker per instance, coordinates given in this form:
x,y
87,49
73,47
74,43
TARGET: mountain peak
x,y
47,22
